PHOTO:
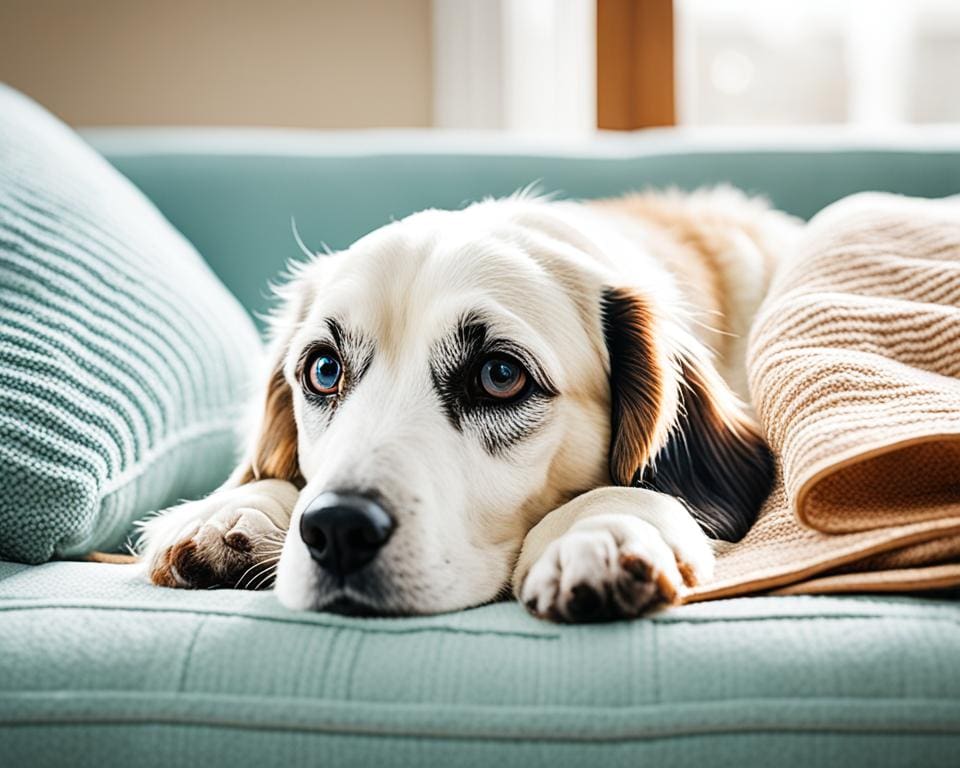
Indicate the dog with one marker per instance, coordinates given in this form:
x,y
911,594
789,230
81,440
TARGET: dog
x,y
529,395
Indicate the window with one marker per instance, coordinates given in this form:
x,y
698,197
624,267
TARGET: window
x,y
781,62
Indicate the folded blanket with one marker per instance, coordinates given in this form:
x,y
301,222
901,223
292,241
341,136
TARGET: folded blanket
x,y
854,367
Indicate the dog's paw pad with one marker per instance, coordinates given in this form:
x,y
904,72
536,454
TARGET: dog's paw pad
x,y
585,603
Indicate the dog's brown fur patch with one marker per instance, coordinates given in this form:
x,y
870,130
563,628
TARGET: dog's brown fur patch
x,y
275,455
687,247
162,573
193,568
636,381
696,236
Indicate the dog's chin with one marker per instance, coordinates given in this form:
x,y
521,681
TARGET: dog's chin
x,y
361,594
339,600
307,588
345,605
302,586
353,602
349,602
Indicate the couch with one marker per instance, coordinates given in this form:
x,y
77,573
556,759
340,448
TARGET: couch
x,y
97,667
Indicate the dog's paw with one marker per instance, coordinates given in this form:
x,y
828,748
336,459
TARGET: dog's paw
x,y
223,551
230,539
608,567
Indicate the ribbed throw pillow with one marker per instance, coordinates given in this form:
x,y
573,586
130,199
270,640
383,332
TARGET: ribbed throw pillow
x,y
123,360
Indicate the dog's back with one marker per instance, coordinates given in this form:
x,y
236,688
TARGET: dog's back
x,y
722,247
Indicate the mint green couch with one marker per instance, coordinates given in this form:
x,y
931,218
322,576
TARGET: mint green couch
x,y
98,668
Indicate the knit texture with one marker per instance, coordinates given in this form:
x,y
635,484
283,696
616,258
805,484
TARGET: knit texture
x,y
854,363
123,360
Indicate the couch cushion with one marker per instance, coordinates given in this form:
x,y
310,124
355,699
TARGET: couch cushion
x,y
123,360
95,663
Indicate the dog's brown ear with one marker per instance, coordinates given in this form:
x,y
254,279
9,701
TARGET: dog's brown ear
x,y
637,373
676,426
274,453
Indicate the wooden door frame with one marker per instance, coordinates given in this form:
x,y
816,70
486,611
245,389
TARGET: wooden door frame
x,y
635,64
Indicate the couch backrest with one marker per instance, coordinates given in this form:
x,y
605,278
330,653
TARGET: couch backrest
x,y
235,192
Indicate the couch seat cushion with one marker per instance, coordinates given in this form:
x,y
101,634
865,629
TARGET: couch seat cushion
x,y
96,664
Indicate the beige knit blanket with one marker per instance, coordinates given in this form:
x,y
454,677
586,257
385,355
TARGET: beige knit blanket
x,y
854,368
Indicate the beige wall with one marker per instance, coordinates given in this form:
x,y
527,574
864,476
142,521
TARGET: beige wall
x,y
319,63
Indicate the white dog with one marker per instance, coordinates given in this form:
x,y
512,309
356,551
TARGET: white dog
x,y
517,393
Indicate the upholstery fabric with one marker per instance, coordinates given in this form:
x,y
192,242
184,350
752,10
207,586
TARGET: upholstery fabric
x,y
99,667
123,361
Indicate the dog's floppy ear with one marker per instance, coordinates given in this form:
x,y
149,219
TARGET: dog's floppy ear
x,y
637,376
676,426
274,454
272,451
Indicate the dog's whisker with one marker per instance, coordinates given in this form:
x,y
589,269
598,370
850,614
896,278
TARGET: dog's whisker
x,y
265,578
268,562
239,582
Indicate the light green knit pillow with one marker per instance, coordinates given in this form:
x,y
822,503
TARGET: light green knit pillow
x,y
123,360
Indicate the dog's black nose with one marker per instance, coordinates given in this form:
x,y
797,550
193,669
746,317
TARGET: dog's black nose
x,y
344,531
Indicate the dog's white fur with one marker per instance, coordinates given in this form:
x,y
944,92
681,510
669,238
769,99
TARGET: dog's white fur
x,y
544,514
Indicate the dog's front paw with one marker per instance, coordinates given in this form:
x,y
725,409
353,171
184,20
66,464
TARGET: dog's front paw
x,y
223,551
605,567
230,539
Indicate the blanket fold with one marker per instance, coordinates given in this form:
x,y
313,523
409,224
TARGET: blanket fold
x,y
854,368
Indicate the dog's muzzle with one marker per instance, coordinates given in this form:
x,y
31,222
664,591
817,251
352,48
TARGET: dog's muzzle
x,y
344,532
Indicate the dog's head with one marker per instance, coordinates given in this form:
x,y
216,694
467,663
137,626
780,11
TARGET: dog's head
x,y
441,385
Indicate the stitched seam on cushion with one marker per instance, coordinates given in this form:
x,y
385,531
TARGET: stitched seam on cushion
x,y
328,622
440,736
376,711
233,614
168,444
655,667
188,655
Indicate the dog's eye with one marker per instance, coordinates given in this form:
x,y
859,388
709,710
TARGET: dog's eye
x,y
323,373
502,378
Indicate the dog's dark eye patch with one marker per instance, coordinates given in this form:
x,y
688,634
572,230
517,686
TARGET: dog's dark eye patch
x,y
455,363
355,351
